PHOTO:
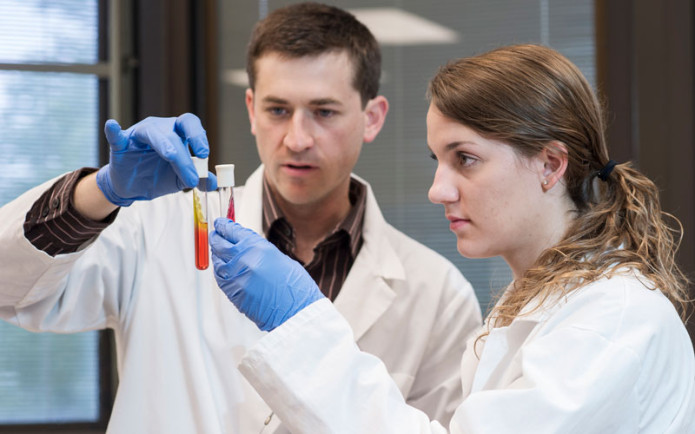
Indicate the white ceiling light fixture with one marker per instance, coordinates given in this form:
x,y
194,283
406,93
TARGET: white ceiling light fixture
x,y
393,26
390,26
236,77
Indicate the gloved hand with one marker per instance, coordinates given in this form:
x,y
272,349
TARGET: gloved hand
x,y
151,158
263,283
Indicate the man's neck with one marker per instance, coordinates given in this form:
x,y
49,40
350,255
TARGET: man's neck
x,y
313,223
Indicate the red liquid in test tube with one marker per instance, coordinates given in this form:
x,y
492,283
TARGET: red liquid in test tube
x,y
225,188
230,209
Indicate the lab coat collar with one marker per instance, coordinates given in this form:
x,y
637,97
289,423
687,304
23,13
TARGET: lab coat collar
x,y
537,310
248,209
500,345
367,291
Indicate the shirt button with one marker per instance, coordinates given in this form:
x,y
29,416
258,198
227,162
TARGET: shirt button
x,y
44,213
56,203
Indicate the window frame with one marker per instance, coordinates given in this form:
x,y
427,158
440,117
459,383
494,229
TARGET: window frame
x,y
114,79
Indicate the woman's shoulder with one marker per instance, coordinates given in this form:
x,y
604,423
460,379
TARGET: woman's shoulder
x,y
627,308
628,290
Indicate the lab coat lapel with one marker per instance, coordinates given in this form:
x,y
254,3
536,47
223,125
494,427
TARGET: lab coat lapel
x,y
366,293
500,360
248,205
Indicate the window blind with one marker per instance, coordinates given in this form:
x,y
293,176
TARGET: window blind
x,y
397,163
49,126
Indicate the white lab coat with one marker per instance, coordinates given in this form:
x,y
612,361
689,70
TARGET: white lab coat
x,y
612,357
179,339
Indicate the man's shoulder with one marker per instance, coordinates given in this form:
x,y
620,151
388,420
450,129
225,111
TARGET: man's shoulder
x,y
425,268
414,252
410,251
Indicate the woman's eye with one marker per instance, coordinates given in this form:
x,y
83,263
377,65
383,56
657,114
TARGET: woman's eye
x,y
465,160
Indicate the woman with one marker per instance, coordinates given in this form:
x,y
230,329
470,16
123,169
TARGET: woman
x,y
587,338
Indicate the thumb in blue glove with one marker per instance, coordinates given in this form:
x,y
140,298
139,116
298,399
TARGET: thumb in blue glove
x,y
263,283
151,158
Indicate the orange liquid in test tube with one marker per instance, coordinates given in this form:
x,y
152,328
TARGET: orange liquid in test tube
x,y
202,255
202,258
200,214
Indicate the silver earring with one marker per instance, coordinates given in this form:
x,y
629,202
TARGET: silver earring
x,y
545,182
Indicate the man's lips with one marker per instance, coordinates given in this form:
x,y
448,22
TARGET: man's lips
x,y
298,166
298,169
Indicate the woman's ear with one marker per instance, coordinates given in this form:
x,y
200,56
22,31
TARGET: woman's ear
x,y
554,157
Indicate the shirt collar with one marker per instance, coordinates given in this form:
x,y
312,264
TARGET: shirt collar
x,y
351,224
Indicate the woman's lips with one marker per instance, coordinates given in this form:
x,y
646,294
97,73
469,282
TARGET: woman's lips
x,y
457,222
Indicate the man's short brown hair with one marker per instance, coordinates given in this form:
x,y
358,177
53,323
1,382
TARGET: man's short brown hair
x,y
311,29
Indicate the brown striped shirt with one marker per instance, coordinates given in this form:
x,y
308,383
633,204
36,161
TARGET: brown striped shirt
x,y
334,256
54,226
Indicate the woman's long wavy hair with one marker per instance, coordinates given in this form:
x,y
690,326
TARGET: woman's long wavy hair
x,y
527,96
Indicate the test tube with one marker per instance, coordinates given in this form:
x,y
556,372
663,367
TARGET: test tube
x,y
225,187
200,214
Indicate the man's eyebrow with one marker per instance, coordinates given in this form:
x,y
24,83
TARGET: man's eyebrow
x,y
325,101
315,102
274,100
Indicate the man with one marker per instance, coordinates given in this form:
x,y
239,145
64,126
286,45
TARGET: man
x,y
312,102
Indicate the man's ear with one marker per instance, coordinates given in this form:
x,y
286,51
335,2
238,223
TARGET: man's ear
x,y
375,115
250,110
554,158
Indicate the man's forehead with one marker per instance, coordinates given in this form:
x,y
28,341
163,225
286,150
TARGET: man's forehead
x,y
332,52
320,80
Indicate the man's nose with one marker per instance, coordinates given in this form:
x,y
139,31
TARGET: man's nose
x,y
299,135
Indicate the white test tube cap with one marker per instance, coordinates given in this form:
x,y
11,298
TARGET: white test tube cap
x,y
201,166
225,175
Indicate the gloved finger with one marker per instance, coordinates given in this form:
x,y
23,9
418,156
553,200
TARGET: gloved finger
x,y
172,149
233,231
211,183
189,128
220,247
223,271
220,268
118,140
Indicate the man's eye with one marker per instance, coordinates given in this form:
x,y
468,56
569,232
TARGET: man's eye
x,y
277,111
325,113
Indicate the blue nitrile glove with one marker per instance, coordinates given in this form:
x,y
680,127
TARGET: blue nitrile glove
x,y
151,158
263,283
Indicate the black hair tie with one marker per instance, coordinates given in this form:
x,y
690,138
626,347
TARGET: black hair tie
x,y
604,173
